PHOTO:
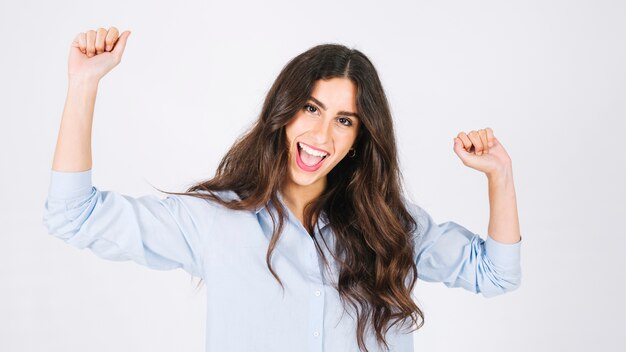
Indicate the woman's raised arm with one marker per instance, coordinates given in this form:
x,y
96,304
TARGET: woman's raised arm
x,y
161,234
92,55
450,253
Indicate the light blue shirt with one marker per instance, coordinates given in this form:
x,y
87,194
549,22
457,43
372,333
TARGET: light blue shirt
x,y
246,309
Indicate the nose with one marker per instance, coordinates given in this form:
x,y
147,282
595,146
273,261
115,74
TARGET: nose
x,y
321,131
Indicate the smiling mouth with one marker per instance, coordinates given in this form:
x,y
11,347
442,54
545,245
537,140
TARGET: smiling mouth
x,y
309,156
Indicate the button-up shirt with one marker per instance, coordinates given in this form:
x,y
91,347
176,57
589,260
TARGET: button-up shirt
x,y
246,307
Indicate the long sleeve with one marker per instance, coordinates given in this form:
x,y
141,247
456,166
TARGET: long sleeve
x,y
452,254
157,233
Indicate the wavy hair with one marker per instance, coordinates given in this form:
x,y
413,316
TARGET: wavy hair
x,y
363,200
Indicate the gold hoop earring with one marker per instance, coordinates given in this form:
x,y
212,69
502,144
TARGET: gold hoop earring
x,y
353,153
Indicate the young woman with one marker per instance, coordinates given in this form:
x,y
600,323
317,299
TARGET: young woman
x,y
305,219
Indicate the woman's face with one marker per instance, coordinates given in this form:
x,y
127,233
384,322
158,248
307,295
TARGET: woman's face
x,y
322,132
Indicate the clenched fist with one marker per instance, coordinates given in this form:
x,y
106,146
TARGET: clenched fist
x,y
482,151
95,52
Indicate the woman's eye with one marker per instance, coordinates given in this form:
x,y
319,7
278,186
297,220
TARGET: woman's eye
x,y
310,108
344,121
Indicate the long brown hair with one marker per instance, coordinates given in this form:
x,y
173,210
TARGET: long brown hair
x,y
363,197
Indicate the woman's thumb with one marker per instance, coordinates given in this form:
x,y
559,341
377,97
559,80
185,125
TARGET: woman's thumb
x,y
121,44
460,150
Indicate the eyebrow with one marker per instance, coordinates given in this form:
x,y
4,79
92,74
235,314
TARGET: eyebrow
x,y
347,113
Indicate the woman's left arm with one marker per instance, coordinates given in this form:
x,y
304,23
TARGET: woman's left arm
x,y
480,150
503,219
450,253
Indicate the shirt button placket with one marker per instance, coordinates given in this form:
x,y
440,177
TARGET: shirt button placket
x,y
317,304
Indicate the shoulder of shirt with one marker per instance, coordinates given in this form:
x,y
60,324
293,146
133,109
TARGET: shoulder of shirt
x,y
412,206
226,195
418,213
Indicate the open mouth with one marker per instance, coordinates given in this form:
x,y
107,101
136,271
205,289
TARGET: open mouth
x,y
310,159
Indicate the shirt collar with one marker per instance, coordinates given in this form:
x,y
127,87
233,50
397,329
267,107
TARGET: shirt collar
x,y
322,220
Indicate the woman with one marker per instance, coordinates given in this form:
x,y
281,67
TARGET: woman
x,y
310,195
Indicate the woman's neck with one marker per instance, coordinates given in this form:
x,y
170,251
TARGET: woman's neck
x,y
296,196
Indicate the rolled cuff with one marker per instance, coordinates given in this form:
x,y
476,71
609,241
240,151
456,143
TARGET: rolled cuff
x,y
505,255
67,185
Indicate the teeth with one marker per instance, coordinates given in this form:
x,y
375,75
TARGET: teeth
x,y
312,151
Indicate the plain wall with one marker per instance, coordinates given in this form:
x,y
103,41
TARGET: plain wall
x,y
547,76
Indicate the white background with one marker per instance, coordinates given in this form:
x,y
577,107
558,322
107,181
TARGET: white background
x,y
547,76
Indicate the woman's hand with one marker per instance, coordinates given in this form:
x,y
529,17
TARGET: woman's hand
x,y
94,53
482,151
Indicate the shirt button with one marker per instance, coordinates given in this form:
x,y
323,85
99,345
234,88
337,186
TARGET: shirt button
x,y
316,334
317,293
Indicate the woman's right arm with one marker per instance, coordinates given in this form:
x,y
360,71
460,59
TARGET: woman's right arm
x,y
92,55
161,234
73,148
